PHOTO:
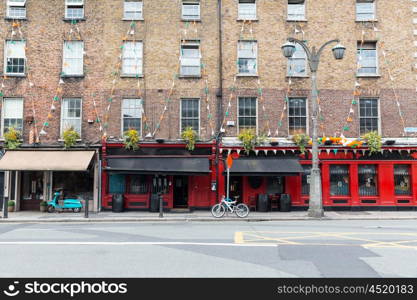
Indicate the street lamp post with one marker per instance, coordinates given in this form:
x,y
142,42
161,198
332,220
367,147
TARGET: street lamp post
x,y
315,209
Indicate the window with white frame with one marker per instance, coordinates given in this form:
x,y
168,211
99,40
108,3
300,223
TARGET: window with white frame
x,y
12,114
296,10
367,59
297,115
297,64
190,10
247,57
15,57
247,113
73,61
368,115
132,110
247,10
74,9
16,9
71,111
190,59
190,114
133,10
132,58
365,10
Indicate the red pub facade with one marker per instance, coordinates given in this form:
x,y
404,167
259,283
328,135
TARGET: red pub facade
x,y
351,178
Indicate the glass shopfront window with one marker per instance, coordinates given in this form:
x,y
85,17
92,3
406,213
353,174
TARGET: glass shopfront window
x,y
402,180
75,184
138,184
305,180
117,184
339,180
368,180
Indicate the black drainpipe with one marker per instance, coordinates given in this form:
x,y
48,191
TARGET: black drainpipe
x,y
219,97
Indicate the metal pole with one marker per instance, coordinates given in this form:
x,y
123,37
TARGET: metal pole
x,y
5,207
228,181
161,205
86,209
315,205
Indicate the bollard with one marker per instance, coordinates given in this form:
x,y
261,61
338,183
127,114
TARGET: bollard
x,y
161,206
5,207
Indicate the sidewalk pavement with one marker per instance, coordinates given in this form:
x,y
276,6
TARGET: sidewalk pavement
x,y
199,216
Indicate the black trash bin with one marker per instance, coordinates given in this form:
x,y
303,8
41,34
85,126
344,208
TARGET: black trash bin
x,y
285,203
154,205
263,204
118,203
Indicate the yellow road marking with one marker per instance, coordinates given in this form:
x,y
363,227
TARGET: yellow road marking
x,y
239,237
265,236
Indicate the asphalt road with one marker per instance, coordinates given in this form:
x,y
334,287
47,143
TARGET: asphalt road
x,y
212,249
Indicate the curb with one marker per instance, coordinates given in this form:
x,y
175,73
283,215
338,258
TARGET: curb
x,y
144,220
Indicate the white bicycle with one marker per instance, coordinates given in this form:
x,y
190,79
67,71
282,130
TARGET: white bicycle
x,y
218,210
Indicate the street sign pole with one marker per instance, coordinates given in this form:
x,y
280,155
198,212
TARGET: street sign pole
x,y
228,181
229,162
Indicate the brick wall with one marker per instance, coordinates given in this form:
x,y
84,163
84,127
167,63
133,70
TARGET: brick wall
x,y
162,31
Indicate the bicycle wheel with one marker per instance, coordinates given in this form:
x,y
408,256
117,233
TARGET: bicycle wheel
x,y
218,211
242,210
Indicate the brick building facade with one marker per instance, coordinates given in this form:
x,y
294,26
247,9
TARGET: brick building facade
x,y
160,65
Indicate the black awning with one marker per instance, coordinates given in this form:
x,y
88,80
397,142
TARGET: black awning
x,y
159,165
266,167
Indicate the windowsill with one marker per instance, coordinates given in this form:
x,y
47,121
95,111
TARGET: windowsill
x,y
15,19
131,76
190,76
247,20
13,75
72,76
140,19
247,75
368,75
70,19
298,76
296,20
190,20
61,140
361,21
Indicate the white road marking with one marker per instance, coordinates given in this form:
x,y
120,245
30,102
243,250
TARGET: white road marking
x,y
134,243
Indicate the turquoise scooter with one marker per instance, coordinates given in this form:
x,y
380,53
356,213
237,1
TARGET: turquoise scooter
x,y
73,204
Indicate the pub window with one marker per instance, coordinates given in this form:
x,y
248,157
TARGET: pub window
x,y
365,10
71,112
16,9
117,184
133,10
132,58
297,64
138,184
339,180
191,10
12,114
190,114
247,10
190,59
367,59
15,57
74,9
247,113
402,180
368,115
73,58
368,180
247,57
305,180
132,115
297,116
296,10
